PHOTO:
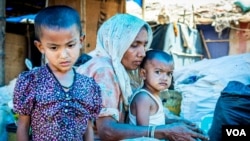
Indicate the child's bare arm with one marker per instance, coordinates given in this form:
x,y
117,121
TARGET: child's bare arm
x,y
89,134
23,127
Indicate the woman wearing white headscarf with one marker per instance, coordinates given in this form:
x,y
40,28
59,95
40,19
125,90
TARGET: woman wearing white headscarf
x,y
121,44
113,39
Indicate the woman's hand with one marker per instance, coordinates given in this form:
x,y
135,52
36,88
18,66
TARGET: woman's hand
x,y
181,131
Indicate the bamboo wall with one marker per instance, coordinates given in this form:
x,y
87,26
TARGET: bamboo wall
x,y
15,54
93,13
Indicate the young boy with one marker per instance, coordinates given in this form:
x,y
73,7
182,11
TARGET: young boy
x,y
53,100
146,106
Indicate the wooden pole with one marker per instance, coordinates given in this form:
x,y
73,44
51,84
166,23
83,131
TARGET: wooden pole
x,y
143,9
205,45
2,41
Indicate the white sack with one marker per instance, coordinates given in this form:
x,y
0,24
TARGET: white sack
x,y
201,83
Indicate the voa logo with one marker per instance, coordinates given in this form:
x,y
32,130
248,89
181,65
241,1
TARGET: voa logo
x,y
236,132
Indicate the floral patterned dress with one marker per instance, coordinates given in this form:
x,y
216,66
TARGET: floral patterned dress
x,y
56,114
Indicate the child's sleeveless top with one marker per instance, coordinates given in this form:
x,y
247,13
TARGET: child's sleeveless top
x,y
157,119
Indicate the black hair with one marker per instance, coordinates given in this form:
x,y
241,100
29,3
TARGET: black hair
x,y
154,54
57,17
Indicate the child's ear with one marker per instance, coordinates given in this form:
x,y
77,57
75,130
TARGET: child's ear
x,y
143,73
82,38
39,46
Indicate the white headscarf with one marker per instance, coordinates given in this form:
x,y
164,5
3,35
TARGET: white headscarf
x,y
114,38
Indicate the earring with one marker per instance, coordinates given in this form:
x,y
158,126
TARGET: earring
x,y
42,59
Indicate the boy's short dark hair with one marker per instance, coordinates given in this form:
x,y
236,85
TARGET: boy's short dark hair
x,y
57,17
154,54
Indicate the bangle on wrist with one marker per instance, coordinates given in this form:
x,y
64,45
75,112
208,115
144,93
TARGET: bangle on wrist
x,y
152,132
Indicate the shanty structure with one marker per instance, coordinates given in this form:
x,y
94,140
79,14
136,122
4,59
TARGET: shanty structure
x,y
223,26
194,30
20,32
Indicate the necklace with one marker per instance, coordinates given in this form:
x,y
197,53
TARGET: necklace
x,y
65,87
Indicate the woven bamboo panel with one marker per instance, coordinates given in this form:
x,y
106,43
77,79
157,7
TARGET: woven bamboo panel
x,y
15,54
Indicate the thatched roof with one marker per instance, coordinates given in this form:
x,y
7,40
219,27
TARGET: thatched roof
x,y
219,13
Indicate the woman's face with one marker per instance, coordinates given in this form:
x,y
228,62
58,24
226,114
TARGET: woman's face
x,y
136,52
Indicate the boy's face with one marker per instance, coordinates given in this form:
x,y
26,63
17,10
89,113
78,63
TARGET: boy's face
x,y
60,47
157,75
